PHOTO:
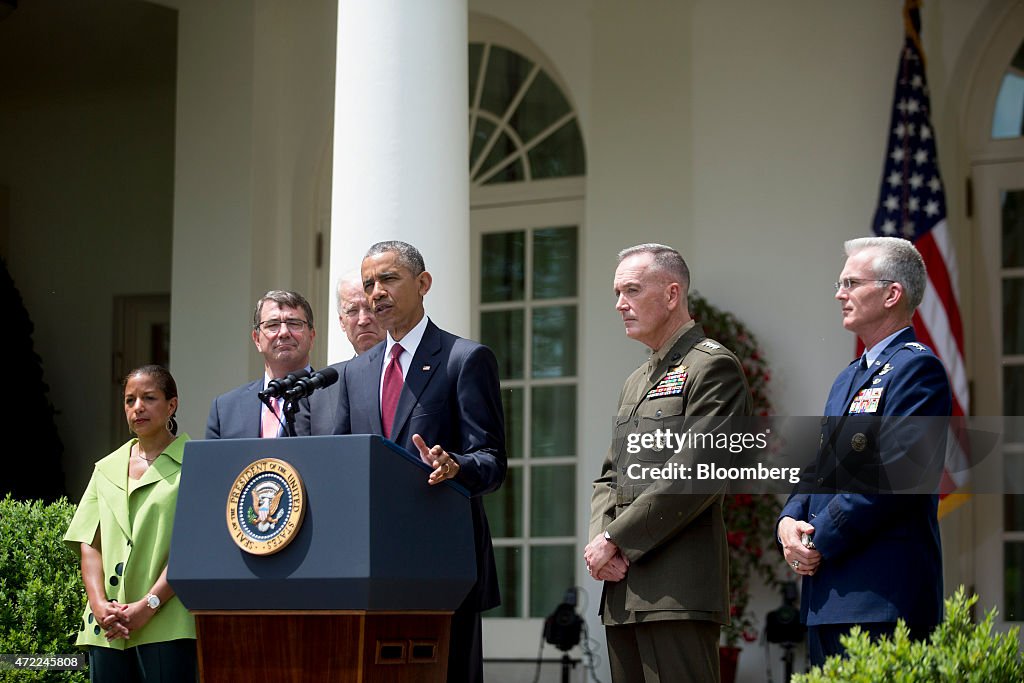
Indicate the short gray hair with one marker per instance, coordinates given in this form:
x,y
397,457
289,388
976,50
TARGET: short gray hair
x,y
666,259
353,277
898,260
408,255
283,298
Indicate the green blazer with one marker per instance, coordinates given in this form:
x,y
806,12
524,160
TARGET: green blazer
x,y
135,537
675,542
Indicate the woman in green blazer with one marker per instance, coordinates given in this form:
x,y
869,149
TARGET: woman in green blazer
x,y
134,626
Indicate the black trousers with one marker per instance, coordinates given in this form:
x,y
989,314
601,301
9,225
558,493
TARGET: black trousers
x,y
465,648
170,661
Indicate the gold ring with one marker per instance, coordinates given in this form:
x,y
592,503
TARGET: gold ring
x,y
447,468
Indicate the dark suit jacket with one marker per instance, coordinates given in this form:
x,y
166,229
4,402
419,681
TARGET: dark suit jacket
x,y
322,416
451,397
236,414
882,557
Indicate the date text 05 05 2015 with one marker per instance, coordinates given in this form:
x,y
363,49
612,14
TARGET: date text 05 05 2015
x,y
71,662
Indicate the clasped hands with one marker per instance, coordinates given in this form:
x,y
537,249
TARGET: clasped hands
x,y
119,620
797,548
605,562
445,466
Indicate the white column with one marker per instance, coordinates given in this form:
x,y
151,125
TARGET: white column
x,y
400,148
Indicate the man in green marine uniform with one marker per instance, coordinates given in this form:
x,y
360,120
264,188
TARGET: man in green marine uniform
x,y
662,554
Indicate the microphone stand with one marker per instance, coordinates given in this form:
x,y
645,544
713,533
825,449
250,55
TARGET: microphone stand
x,y
291,406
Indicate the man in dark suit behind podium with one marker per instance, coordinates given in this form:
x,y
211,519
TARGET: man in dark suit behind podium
x,y
363,332
435,394
282,330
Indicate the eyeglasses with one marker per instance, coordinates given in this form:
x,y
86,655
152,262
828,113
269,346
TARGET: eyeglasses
x,y
849,283
273,327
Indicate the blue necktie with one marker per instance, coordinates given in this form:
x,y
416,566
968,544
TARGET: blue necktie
x,y
859,376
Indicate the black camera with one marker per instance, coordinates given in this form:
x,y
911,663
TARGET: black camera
x,y
783,624
562,627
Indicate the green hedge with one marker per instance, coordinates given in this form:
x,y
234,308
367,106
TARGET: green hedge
x,y
41,593
958,651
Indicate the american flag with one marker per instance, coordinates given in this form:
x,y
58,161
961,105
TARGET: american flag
x,y
912,204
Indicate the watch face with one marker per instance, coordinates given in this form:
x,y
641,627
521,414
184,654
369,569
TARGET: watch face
x,y
153,601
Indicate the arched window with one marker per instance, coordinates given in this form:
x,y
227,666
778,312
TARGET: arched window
x,y
521,126
1008,116
1008,291
526,166
995,147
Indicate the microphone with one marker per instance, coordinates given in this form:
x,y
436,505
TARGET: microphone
x,y
278,387
307,385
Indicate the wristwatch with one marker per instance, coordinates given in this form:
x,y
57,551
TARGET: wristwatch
x,y
607,536
153,601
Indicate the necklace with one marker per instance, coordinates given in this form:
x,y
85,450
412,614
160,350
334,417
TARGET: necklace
x,y
138,454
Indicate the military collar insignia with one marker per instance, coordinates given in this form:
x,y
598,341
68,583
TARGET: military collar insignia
x,y
266,504
711,345
915,345
672,384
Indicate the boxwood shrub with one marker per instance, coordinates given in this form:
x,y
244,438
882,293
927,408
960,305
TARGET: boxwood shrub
x,y
41,593
958,651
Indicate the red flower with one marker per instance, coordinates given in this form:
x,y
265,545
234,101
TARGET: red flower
x,y
735,538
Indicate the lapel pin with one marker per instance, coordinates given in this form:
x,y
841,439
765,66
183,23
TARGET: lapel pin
x,y
425,368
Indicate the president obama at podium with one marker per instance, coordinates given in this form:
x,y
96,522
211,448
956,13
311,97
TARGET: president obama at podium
x,y
437,395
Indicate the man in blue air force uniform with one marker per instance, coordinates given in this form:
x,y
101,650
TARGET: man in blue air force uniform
x,y
866,541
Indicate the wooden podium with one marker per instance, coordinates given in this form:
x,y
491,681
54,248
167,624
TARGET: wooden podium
x,y
366,587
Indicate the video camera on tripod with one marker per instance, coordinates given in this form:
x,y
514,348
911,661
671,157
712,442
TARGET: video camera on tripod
x,y
784,628
562,627
783,623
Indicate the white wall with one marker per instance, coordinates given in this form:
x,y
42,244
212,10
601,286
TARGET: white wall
x,y
255,87
213,204
789,137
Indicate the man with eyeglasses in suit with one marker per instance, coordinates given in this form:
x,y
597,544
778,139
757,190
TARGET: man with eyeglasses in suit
x,y
283,333
864,534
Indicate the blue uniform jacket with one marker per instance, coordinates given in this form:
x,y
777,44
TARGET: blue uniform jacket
x,y
882,557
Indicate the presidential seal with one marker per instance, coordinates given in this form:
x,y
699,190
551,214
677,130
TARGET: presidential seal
x,y
265,506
